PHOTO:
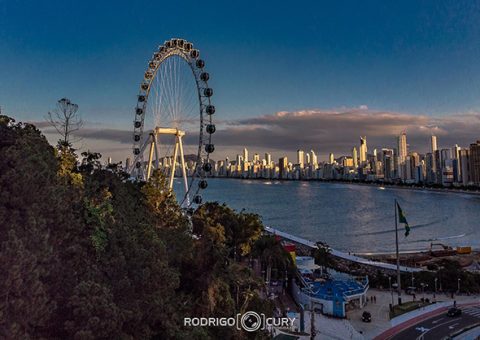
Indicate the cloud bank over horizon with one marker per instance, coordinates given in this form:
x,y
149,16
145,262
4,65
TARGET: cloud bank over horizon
x,y
324,131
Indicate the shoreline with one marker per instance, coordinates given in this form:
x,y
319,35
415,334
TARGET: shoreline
x,y
378,185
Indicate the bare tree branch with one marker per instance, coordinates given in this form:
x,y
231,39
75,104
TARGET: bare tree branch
x,y
66,120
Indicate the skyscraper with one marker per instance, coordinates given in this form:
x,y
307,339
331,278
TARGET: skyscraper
x,y
245,155
268,159
363,149
402,154
465,166
301,158
402,146
331,159
355,157
388,163
457,175
239,160
475,163
433,143
313,159
283,167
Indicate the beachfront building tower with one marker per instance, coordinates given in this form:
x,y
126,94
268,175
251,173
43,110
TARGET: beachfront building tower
x,y
402,155
363,150
301,158
313,160
245,155
355,158
475,163
433,144
331,158
283,167
268,159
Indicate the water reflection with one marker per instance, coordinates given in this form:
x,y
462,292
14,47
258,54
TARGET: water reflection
x,y
359,218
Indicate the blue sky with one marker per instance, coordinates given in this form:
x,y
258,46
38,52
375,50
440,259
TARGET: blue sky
x,y
415,57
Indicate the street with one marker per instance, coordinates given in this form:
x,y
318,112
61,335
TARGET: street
x,y
440,326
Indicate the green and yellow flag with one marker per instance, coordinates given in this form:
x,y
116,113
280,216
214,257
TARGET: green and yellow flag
x,y
403,219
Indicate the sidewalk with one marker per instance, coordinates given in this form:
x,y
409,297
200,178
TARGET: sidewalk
x,y
327,328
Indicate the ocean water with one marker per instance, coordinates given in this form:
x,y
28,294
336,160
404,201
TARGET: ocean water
x,y
357,218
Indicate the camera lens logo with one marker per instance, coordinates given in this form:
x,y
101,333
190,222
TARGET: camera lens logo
x,y
251,321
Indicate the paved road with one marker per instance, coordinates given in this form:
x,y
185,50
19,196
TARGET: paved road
x,y
441,325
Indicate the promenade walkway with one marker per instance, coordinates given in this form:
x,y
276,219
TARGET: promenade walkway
x,y
341,254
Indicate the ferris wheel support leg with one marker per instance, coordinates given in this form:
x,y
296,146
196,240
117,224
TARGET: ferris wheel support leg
x,y
157,154
174,163
184,170
150,157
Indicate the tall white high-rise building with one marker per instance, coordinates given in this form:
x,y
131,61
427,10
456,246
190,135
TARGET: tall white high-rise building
x,y
355,157
301,158
256,158
331,158
239,160
402,146
402,155
313,159
307,158
363,149
245,155
268,158
456,151
433,143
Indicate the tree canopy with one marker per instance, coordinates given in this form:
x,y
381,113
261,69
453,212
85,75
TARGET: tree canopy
x,y
88,254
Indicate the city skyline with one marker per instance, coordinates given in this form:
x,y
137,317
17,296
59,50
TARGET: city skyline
x,y
446,166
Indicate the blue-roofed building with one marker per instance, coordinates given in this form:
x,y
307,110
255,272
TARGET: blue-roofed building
x,y
331,295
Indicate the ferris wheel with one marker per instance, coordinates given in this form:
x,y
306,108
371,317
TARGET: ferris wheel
x,y
173,121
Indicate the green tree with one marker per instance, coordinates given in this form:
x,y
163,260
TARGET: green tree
x,y
323,257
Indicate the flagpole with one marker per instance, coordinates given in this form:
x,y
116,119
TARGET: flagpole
x,y
399,291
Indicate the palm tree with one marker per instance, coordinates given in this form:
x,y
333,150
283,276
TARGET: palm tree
x,y
271,254
323,256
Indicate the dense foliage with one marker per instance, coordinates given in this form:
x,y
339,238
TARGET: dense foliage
x,y
85,253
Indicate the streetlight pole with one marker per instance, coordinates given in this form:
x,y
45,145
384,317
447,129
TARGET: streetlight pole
x,y
312,320
458,286
390,284
435,293
423,289
399,289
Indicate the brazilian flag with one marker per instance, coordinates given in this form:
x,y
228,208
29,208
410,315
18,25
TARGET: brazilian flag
x,y
403,219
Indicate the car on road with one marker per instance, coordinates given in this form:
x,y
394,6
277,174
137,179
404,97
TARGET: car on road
x,y
366,317
410,290
454,312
